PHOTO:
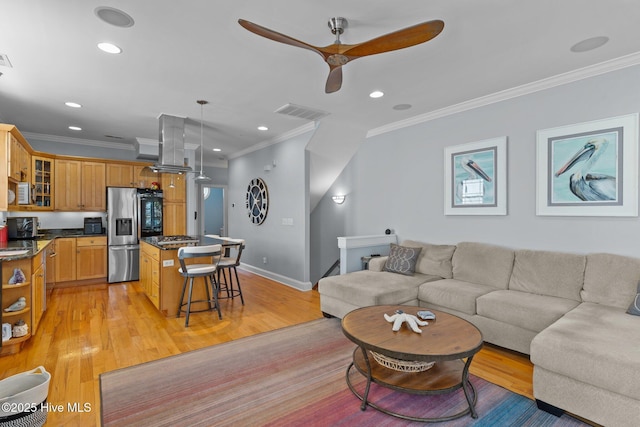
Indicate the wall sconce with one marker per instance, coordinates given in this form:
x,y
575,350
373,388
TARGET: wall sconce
x,y
338,199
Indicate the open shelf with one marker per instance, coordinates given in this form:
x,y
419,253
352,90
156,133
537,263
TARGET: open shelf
x,y
16,286
15,313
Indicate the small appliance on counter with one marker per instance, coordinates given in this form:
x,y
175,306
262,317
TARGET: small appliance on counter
x,y
93,225
20,228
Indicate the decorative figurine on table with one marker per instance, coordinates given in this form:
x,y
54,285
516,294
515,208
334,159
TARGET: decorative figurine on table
x,y
401,317
18,277
20,304
20,329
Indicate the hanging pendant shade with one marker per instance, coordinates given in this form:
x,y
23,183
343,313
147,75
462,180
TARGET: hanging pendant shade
x,y
201,176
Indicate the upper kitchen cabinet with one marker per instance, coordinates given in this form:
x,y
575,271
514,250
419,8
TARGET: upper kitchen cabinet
x,y
120,175
14,157
19,160
130,175
43,172
174,187
80,185
144,176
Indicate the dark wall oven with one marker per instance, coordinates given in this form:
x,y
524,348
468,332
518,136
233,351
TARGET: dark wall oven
x,y
150,202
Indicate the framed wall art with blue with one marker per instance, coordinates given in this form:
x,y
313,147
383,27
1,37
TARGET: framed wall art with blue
x,y
589,169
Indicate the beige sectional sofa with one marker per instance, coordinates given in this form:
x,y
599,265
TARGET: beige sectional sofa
x,y
567,311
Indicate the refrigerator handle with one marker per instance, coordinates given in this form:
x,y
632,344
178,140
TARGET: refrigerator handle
x,y
136,214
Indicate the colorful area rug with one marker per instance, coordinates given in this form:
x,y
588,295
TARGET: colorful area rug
x,y
289,377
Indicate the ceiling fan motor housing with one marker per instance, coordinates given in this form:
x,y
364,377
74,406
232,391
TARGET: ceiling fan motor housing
x,y
337,25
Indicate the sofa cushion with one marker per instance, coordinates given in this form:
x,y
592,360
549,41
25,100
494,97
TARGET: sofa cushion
x,y
528,311
454,294
483,264
634,308
610,279
434,259
365,288
595,344
549,273
402,259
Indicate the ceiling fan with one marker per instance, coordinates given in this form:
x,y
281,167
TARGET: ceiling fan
x,y
339,54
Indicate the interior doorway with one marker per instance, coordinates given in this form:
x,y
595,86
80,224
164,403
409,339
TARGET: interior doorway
x,y
213,210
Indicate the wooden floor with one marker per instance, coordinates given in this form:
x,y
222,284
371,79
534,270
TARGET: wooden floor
x,y
94,329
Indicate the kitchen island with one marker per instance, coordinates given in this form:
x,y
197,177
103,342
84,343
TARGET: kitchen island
x,y
159,276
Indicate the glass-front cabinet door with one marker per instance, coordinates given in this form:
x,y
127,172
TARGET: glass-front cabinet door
x,y
42,168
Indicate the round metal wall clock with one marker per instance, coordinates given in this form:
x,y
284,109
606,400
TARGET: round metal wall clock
x,y
257,201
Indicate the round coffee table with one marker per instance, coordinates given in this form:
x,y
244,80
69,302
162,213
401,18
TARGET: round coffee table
x,y
447,341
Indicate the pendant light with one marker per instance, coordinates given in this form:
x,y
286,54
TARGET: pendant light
x,y
202,177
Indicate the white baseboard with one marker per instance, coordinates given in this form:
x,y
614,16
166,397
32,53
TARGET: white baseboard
x,y
296,284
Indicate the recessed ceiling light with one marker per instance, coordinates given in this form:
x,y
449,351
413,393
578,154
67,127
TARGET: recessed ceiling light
x,y
376,94
75,128
263,128
114,16
73,104
401,107
217,149
109,47
589,44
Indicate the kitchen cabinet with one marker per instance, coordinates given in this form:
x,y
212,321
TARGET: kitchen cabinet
x,y
10,294
80,185
38,291
174,218
120,175
65,260
42,179
80,258
150,272
174,205
19,160
144,176
177,192
91,257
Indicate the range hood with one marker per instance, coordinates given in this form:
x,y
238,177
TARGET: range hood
x,y
171,148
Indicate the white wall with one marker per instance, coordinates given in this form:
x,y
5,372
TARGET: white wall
x,y
286,247
396,180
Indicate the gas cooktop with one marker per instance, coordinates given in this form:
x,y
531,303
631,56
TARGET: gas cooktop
x,y
173,240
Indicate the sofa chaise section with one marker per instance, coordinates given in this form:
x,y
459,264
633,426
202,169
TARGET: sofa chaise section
x,y
344,293
588,361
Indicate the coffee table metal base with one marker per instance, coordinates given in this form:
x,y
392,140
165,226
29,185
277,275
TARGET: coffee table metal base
x,y
415,383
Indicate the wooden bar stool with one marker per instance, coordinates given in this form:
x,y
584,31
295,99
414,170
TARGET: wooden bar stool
x,y
191,271
229,263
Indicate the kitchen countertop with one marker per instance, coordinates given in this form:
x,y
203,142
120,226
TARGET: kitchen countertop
x,y
20,249
198,241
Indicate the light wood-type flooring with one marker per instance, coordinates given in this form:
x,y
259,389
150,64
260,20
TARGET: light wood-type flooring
x,y
94,329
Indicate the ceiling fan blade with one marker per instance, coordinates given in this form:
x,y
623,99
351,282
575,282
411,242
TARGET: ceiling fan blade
x,y
334,81
276,36
400,39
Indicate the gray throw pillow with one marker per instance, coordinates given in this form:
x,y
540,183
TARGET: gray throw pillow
x,y
402,260
634,308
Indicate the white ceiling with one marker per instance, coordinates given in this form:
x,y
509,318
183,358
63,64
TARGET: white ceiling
x,y
181,51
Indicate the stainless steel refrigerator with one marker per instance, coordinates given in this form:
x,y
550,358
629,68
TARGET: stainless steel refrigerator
x,y
123,234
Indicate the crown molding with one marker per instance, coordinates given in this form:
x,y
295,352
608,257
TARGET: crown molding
x,y
78,141
548,83
280,138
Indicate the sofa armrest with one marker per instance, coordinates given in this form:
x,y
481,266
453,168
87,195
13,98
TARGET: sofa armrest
x,y
377,263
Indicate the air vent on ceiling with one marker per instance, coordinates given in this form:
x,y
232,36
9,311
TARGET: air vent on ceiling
x,y
4,61
301,112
